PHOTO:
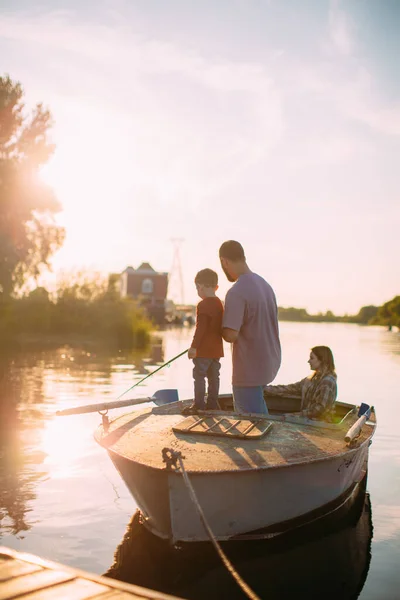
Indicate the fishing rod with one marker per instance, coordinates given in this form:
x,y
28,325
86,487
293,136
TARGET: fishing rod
x,y
120,403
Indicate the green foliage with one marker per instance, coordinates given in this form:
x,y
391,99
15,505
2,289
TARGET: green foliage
x,y
28,232
366,314
301,314
293,314
86,307
389,313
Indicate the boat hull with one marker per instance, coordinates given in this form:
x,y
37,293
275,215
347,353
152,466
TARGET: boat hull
x,y
236,503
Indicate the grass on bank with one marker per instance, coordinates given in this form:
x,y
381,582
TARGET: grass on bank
x,y
85,308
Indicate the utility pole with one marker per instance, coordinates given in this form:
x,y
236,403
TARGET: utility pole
x,y
176,269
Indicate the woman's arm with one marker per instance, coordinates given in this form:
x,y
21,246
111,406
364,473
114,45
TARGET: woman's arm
x,y
291,389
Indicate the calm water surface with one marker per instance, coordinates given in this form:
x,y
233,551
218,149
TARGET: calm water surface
x,y
61,498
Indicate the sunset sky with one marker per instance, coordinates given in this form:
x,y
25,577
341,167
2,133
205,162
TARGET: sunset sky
x,y
273,122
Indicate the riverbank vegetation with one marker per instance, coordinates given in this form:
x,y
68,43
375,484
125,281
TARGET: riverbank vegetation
x,y
388,315
363,317
84,308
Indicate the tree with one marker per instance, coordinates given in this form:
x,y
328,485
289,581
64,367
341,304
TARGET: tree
x,y
389,313
366,314
28,232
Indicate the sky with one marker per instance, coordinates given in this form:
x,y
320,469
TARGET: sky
x,y
273,122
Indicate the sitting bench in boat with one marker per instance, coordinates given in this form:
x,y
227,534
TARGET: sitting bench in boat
x,y
225,426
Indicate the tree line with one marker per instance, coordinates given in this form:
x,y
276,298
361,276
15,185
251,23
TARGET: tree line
x,y
29,236
388,314
87,306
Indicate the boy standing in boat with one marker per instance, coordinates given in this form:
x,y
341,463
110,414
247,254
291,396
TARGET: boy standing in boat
x,y
207,345
251,325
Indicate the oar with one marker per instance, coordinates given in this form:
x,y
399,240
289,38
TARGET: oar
x,y
117,404
160,397
354,431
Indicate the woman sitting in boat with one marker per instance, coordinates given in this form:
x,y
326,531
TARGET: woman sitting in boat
x,y
317,391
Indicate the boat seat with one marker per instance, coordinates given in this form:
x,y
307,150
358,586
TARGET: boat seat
x,y
231,427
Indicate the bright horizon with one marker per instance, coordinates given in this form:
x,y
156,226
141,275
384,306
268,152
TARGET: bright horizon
x,y
273,123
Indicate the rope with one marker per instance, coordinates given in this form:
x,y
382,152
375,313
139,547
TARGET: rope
x,y
152,373
172,456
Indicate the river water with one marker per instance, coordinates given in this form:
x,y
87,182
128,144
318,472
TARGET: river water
x,y
61,498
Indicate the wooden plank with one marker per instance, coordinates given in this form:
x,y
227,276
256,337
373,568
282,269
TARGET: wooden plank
x,y
78,589
79,585
234,424
15,568
31,582
194,424
118,595
249,429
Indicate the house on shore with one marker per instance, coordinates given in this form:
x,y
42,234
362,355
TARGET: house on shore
x,y
148,287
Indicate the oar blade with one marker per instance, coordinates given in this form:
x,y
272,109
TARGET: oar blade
x,y
166,396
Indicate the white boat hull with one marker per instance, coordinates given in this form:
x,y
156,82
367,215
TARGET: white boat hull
x,y
239,502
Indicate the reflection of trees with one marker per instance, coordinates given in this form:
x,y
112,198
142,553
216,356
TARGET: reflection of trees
x,y
30,383
16,485
144,363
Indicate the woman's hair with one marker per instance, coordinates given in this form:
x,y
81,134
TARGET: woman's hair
x,y
324,354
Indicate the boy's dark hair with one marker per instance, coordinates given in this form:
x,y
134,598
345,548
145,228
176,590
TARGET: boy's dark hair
x,y
207,277
232,251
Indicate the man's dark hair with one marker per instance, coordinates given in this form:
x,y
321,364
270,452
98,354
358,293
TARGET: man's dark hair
x,y
232,251
207,277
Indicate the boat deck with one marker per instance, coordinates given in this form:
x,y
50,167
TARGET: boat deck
x,y
28,577
140,436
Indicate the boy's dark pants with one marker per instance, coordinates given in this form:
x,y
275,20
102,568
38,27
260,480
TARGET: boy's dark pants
x,y
206,367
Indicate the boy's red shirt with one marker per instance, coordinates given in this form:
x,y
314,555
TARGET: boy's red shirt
x,y
208,334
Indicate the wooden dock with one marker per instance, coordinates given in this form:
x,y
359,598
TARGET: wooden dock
x,y
28,577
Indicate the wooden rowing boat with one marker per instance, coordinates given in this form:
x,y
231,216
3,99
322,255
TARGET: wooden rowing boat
x,y
249,473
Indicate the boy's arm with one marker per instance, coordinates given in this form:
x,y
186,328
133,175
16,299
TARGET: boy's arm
x,y
201,328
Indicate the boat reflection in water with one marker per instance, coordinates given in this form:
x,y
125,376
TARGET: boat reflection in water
x,y
329,559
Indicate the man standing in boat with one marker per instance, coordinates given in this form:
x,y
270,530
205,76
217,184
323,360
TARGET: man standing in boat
x,y
250,324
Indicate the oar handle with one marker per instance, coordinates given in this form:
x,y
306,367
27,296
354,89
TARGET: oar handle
x,y
102,406
358,425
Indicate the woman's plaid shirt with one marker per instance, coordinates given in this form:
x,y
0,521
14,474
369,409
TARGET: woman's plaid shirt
x,y
318,393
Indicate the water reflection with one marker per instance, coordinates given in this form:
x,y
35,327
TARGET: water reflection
x,y
16,487
60,496
33,444
330,562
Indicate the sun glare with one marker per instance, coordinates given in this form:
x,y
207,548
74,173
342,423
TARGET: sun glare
x,y
90,161
64,443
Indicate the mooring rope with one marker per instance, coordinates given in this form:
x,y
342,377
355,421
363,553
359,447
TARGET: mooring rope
x,y
170,457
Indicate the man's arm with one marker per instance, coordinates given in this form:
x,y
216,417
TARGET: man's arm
x,y
229,335
233,316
